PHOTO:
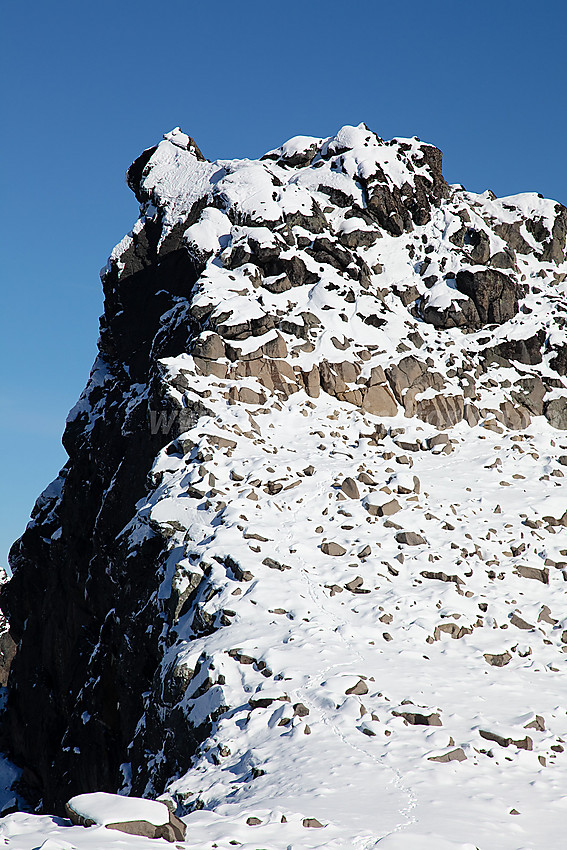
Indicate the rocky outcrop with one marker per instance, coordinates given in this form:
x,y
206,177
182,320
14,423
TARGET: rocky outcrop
x,y
333,280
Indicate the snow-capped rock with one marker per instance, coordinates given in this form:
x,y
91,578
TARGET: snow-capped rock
x,y
303,574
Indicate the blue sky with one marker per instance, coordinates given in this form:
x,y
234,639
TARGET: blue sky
x,y
86,87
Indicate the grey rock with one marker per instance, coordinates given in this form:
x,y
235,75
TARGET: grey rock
x,y
555,411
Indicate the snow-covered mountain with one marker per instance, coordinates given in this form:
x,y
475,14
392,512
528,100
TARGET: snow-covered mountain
x,y
304,573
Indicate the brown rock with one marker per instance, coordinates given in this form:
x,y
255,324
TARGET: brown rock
x,y
211,347
454,755
515,417
7,652
498,660
555,411
247,396
275,347
350,489
312,822
210,367
453,629
523,744
441,411
359,689
519,623
174,830
410,538
386,509
534,573
333,549
545,616
537,723
355,586
312,382
379,401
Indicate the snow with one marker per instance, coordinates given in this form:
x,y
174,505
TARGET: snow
x,y
104,808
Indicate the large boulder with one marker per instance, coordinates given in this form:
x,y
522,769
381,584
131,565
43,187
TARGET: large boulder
x,y
131,815
492,300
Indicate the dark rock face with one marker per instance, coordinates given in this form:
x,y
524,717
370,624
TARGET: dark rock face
x,y
84,657
493,299
526,351
397,210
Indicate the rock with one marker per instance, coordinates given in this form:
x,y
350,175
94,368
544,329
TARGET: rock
x,y
454,755
555,411
418,719
493,293
523,744
275,565
453,629
441,411
520,623
334,549
379,401
312,822
100,808
515,417
533,572
253,821
537,723
544,616
350,488
359,689
559,362
355,586
7,652
209,346
410,538
383,509
493,300
497,660
529,392
526,351
300,710
441,576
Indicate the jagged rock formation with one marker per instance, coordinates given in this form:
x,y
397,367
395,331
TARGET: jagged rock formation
x,y
282,340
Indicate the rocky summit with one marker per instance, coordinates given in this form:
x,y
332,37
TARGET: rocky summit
x,y
303,575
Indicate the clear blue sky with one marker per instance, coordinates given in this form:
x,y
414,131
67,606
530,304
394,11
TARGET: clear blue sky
x,y
88,86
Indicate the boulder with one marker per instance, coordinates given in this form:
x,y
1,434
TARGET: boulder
x,y
410,538
383,509
522,350
498,660
441,411
350,488
333,549
555,411
379,401
454,755
494,295
131,815
492,299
